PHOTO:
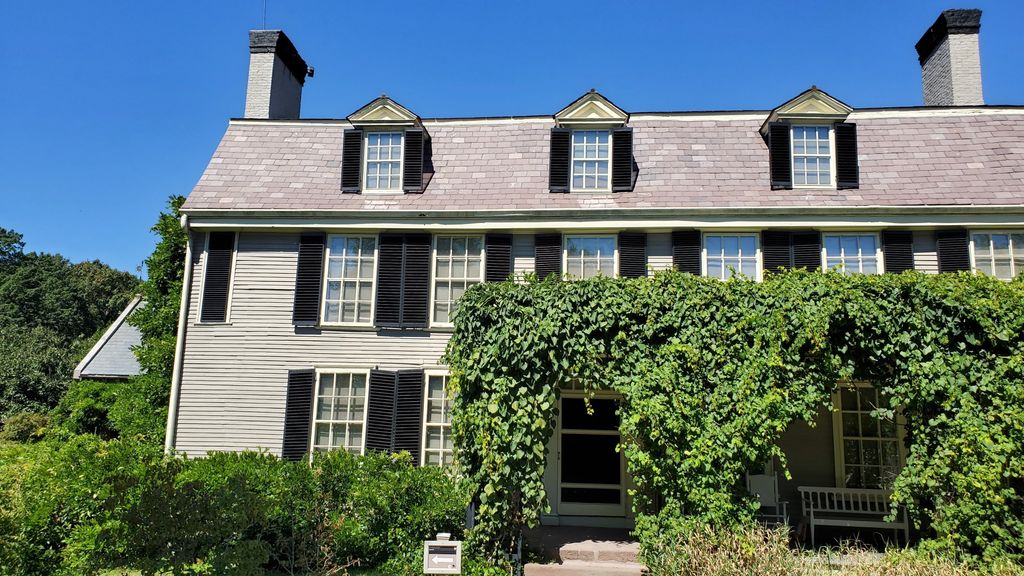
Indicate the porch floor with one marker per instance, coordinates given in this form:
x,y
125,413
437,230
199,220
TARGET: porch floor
x,y
572,551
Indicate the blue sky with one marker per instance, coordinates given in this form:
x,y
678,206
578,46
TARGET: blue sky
x,y
111,107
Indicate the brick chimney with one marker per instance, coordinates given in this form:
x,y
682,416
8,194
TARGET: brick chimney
x,y
950,60
276,76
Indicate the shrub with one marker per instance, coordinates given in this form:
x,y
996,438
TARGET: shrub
x,y
140,408
24,427
84,410
701,549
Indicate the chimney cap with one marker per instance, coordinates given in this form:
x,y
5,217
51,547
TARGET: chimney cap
x,y
277,42
959,21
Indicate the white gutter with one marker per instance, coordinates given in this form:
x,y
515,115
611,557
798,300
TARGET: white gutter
x,y
179,345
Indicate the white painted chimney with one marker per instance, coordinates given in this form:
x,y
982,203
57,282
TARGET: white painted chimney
x,y
950,60
276,76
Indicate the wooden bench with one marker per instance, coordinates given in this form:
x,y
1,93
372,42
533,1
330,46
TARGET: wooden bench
x,y
851,508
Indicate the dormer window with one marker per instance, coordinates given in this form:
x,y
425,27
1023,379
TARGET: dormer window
x,y
591,150
384,161
384,151
812,156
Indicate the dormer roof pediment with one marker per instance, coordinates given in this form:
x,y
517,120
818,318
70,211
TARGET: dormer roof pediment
x,y
591,108
811,104
384,111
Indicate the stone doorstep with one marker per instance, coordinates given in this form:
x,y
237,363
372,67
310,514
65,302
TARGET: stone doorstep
x,y
581,568
599,551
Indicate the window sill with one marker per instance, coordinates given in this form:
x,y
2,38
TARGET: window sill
x,y
211,324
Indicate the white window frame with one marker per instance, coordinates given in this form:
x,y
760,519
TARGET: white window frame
x,y
326,268
445,428
879,255
832,153
366,162
757,249
433,271
572,159
316,400
565,253
838,437
231,279
1009,232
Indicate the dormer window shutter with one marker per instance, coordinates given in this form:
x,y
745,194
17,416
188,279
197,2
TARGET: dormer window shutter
x,y
847,169
558,167
780,156
351,161
308,280
412,169
623,172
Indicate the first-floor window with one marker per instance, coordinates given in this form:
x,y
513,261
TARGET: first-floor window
x,y
340,413
999,254
868,446
437,435
348,291
729,254
852,253
458,264
589,256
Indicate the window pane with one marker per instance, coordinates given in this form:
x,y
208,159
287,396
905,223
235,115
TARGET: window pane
x,y
458,264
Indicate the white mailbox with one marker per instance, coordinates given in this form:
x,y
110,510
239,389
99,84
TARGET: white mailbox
x,y
442,556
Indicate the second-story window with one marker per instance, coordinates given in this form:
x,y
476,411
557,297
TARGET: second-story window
x,y
591,150
589,256
384,161
852,253
458,264
999,254
812,156
348,291
728,254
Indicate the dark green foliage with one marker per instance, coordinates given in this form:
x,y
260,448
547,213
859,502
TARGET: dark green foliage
x,y
84,409
24,427
12,249
35,365
140,408
711,374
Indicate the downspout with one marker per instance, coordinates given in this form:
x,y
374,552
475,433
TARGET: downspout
x,y
179,345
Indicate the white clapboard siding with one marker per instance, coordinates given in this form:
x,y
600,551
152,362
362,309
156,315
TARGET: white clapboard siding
x,y
522,255
235,375
659,252
925,257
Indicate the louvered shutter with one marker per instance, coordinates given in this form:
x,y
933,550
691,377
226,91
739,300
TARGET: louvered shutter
x,y
686,251
352,161
558,165
623,174
780,156
408,413
412,162
952,248
807,249
298,414
632,254
776,250
847,169
380,411
498,257
547,252
898,251
416,281
220,249
388,308
306,307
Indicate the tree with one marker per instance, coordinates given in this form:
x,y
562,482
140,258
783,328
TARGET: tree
x,y
12,248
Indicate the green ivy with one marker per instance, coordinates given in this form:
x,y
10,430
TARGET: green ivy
x,y
712,373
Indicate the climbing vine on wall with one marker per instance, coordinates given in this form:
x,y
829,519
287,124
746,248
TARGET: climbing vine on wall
x,y
712,373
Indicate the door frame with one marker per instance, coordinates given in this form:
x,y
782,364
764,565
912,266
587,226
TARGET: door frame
x,y
582,509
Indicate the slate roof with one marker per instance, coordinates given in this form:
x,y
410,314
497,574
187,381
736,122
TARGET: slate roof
x,y
912,157
111,358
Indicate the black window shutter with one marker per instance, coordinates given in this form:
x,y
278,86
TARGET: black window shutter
x,y
498,257
558,167
898,250
632,254
847,170
380,411
623,175
686,251
412,169
388,313
408,413
776,250
298,414
416,281
352,161
951,246
779,156
807,250
547,255
306,308
220,249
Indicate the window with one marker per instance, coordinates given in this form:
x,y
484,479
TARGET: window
x,y
348,291
589,256
867,447
999,254
852,253
340,415
384,161
729,254
437,436
812,156
590,154
458,264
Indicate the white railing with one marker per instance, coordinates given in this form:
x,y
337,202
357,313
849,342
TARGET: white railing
x,y
851,507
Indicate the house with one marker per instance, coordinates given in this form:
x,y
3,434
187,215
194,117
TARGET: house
x,y
326,256
111,357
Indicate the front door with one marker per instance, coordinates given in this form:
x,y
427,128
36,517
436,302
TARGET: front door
x,y
591,474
